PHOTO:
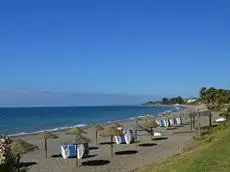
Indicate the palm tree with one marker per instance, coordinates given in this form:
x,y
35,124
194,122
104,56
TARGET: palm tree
x,y
203,94
47,135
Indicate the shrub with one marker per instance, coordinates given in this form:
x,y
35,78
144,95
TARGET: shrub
x,y
8,162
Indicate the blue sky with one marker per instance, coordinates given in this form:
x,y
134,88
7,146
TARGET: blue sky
x,y
118,47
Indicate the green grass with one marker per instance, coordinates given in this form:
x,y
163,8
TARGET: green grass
x,y
209,153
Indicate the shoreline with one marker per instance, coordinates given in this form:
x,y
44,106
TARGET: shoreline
x,y
86,126
170,145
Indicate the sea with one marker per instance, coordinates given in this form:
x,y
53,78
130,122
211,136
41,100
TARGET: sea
x,y
21,121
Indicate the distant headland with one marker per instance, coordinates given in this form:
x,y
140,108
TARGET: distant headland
x,y
171,101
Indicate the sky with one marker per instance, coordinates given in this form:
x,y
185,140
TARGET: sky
x,y
125,48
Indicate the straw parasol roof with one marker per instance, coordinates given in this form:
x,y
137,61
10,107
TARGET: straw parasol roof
x,y
105,134
76,131
115,125
21,147
48,135
112,131
202,108
99,127
79,140
151,124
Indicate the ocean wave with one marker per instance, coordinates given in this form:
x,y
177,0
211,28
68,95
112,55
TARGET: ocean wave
x,y
49,130
132,118
83,125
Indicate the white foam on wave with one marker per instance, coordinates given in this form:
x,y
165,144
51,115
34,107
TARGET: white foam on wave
x,y
132,118
50,130
83,125
141,116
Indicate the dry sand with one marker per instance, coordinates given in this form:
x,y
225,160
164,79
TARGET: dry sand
x,y
100,154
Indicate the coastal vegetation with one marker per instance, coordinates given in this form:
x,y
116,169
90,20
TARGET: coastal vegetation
x,y
215,99
10,154
167,101
209,152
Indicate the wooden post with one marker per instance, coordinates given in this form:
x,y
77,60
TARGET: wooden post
x,y
151,134
198,118
96,137
46,147
111,145
194,120
181,121
210,119
191,122
77,164
136,137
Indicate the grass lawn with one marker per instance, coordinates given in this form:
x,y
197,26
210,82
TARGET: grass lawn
x,y
210,153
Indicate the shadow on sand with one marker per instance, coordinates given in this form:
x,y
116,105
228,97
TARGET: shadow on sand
x,y
147,144
95,163
56,156
93,148
106,143
27,164
171,128
89,156
160,138
179,126
127,152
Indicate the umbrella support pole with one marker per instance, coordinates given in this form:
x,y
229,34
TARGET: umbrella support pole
x,y
151,134
111,145
136,138
77,163
96,137
46,147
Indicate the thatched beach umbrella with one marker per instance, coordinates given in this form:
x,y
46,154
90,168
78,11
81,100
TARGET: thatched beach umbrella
x,y
19,147
202,108
192,116
148,118
75,131
22,147
79,140
47,135
98,128
151,125
136,128
116,125
111,132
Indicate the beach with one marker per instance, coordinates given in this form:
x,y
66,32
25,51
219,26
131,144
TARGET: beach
x,y
126,158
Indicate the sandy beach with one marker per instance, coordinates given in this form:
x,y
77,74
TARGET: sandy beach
x,y
127,157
